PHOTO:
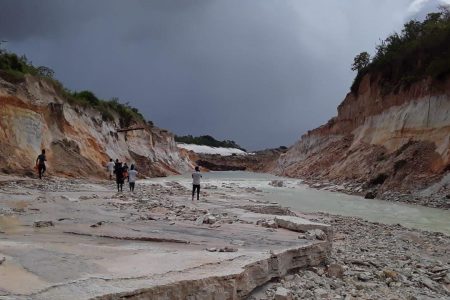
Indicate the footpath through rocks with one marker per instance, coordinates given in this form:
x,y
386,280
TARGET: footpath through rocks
x,y
72,239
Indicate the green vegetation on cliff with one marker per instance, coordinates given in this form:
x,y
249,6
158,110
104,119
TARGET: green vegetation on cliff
x,y
421,50
207,140
13,68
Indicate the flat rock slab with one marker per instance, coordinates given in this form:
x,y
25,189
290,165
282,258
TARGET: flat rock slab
x,y
303,225
123,256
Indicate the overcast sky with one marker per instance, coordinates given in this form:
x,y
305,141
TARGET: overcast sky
x,y
258,72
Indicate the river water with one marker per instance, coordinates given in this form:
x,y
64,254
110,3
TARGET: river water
x,y
299,196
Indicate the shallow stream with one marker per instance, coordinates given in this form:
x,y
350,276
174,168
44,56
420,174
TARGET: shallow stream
x,y
299,196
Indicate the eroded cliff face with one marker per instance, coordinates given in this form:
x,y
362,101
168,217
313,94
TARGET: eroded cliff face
x,y
34,116
395,141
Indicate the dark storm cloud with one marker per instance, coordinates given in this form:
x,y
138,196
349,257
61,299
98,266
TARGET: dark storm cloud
x,y
258,72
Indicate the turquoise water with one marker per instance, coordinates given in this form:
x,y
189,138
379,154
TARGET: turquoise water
x,y
300,197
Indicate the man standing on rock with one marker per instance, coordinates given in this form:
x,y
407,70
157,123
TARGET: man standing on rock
x,y
40,163
110,168
196,183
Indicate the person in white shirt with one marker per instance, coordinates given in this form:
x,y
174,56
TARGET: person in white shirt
x,y
110,168
196,183
132,174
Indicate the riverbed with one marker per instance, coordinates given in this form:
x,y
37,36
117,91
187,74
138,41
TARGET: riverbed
x,y
299,196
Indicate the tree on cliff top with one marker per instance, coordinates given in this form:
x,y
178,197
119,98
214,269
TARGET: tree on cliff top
x,y
207,140
420,50
361,61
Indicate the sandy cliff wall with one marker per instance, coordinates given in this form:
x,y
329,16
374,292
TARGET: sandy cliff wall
x,y
33,115
399,140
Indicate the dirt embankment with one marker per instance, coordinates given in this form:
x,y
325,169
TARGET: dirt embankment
x,y
396,142
259,161
34,115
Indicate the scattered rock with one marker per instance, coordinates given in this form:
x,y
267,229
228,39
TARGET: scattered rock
x,y
206,219
321,293
199,220
267,223
98,224
446,278
209,219
2,260
316,234
427,282
282,293
277,183
40,224
364,277
390,274
376,261
228,249
370,195
335,270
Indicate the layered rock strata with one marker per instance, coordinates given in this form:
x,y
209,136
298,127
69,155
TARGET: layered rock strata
x,y
397,141
34,115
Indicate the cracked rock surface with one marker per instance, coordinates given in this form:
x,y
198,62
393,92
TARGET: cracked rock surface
x,y
74,239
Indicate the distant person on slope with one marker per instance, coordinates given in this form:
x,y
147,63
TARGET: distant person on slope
x,y
132,174
118,170
110,168
196,183
40,163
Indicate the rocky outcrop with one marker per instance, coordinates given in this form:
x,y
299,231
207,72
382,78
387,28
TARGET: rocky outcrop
x,y
397,141
94,243
35,115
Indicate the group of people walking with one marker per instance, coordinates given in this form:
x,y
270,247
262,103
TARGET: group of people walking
x,y
121,171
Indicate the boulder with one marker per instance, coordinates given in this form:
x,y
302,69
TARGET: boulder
x,y
209,219
200,220
335,270
370,195
39,224
316,234
277,183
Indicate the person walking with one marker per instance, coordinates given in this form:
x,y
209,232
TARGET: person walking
x,y
132,174
118,170
196,176
110,168
40,163
125,171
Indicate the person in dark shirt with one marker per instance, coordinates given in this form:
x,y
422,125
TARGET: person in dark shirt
x,y
40,163
118,170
